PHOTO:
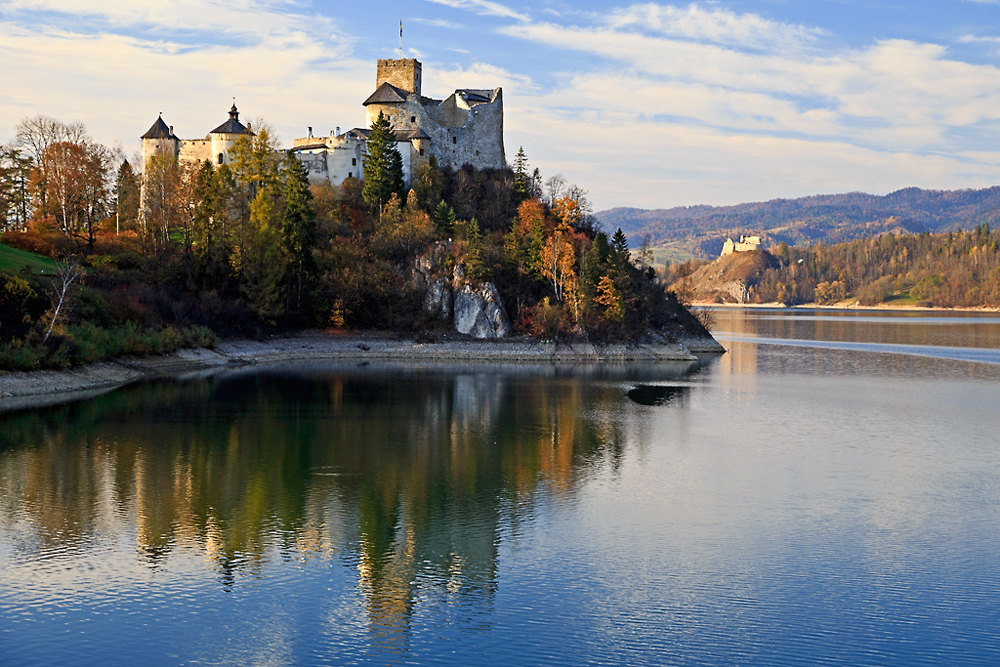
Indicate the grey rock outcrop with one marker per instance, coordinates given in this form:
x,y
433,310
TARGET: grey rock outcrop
x,y
438,299
479,312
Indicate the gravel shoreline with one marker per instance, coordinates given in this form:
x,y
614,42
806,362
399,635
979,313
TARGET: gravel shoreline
x,y
25,390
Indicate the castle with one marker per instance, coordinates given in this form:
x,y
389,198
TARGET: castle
x,y
161,140
465,128
745,244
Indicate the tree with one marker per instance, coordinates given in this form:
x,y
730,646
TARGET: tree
x,y
36,135
264,263
522,179
444,219
15,175
383,167
66,275
126,197
428,184
255,160
298,229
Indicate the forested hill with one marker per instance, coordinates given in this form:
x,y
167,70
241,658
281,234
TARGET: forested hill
x,y
701,230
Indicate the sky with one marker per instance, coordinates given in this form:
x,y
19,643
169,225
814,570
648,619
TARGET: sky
x,y
651,105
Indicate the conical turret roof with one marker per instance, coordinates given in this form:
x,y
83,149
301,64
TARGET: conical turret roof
x,y
159,130
233,125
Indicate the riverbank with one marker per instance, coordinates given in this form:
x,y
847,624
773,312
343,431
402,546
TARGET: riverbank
x,y
23,390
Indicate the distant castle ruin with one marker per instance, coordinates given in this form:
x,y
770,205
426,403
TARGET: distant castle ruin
x,y
465,128
745,244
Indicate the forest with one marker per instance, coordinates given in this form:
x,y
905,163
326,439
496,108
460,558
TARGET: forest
x,y
955,269
179,255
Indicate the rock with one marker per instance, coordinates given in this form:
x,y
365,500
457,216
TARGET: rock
x,y
479,312
438,299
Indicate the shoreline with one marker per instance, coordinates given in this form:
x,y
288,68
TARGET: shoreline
x,y
843,306
31,389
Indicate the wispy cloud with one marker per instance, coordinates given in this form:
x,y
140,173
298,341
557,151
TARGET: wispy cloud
x,y
438,23
484,7
712,24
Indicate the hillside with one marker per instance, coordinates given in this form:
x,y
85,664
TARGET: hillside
x,y
701,230
729,279
945,270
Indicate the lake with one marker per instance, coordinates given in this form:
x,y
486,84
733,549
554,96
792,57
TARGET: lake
x,y
827,492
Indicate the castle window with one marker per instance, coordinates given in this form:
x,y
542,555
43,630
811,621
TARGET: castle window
x,y
222,157
350,174
354,161
421,151
454,140
413,119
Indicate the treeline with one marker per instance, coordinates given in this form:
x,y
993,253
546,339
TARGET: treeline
x,y
959,269
179,253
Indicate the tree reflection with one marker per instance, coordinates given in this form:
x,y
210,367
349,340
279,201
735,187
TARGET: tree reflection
x,y
410,475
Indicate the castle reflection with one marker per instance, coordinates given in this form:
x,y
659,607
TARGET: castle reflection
x,y
409,475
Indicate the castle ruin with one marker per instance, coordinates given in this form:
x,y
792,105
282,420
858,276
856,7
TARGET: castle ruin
x,y
745,244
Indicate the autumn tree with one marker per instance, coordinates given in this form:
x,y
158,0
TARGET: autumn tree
x,y
36,135
428,184
263,261
126,197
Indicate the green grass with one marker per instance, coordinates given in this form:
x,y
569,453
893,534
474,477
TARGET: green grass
x,y
14,260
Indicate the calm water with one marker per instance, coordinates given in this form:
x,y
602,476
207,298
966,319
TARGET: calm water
x,y
826,493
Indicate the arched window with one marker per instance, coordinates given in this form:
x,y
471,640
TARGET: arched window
x,y
222,158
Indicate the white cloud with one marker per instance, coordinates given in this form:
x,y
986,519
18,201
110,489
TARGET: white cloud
x,y
291,70
687,106
713,24
484,7
438,23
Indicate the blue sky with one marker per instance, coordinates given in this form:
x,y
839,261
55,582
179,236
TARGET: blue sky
x,y
642,104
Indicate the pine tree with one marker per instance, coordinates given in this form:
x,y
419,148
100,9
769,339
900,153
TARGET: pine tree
x,y
522,179
383,168
444,219
298,229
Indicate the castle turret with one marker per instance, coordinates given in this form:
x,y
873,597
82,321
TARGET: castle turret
x,y
159,140
223,136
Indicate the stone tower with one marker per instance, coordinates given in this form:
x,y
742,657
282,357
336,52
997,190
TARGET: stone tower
x,y
405,74
159,140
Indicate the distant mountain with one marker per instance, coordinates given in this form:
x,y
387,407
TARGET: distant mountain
x,y
701,230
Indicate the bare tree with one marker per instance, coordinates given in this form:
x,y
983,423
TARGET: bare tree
x,y
554,186
67,274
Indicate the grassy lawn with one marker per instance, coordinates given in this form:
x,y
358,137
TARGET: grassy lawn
x,y
14,260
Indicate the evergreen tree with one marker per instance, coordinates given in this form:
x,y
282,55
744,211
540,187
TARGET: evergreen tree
x,y
383,168
298,230
126,197
444,219
522,179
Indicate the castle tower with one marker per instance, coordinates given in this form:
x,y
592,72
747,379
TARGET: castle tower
x,y
223,136
159,140
404,73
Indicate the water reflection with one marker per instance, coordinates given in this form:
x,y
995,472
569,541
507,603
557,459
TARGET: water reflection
x,y
408,476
